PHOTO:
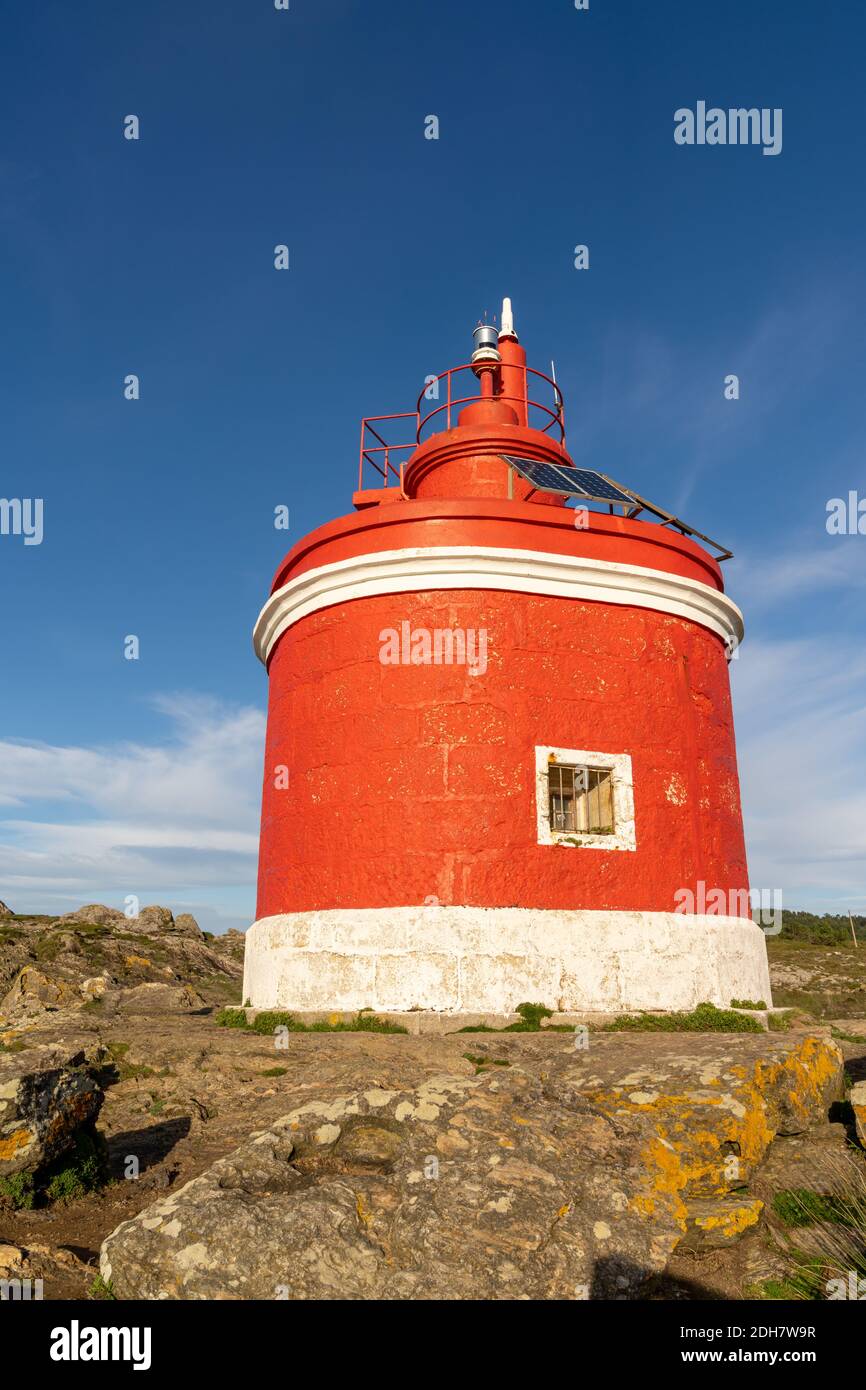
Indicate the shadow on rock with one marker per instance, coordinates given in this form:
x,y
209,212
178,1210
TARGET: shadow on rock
x,y
149,1146
617,1279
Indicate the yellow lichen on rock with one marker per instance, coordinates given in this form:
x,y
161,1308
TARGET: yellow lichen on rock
x,y
13,1143
707,1144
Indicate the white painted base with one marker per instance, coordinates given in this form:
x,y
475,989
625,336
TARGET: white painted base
x,y
487,960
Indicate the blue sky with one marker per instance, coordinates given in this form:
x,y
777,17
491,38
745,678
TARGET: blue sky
x,y
306,127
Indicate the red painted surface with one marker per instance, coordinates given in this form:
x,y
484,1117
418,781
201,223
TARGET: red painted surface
x,y
411,781
514,385
512,525
407,782
466,461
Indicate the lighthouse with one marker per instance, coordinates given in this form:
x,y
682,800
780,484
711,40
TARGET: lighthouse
x,y
500,761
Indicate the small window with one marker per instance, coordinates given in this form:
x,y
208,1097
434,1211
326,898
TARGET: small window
x,y
580,799
584,799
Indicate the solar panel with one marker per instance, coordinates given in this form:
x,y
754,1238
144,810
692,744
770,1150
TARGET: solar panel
x,y
595,485
546,477
569,482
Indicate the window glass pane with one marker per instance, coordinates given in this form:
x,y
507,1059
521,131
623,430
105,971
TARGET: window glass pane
x,y
581,799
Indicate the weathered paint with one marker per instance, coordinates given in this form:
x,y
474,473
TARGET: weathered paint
x,y
467,960
406,782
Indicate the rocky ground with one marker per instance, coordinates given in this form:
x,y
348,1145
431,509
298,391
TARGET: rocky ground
x,y
545,1153
825,982
98,949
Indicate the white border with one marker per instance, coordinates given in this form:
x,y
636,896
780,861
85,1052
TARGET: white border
x,y
489,567
477,959
624,836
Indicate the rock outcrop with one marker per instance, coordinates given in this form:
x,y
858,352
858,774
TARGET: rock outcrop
x,y
544,1172
33,991
159,999
47,1094
98,953
151,921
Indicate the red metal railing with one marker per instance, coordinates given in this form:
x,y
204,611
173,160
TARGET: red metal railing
x,y
536,413
524,401
384,447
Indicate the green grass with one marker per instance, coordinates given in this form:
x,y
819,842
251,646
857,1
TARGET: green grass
x,y
480,1063
269,1021
748,1004
847,1037
77,1173
230,1018
130,1071
800,1206
531,1016
18,1191
836,1222
117,1068
100,1289
274,1071
805,1282
74,1174
48,947
706,1018
783,1022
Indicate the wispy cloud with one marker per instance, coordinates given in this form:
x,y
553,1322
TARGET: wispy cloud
x,y
666,390
771,578
176,820
800,707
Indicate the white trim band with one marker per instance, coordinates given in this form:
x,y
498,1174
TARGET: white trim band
x,y
489,567
489,959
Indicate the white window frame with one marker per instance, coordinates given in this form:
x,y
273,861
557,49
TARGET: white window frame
x,y
619,764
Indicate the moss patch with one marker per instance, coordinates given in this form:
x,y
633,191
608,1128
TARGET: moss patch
x,y
800,1206
18,1191
78,1172
268,1022
81,1170
480,1063
531,1016
101,1289
706,1018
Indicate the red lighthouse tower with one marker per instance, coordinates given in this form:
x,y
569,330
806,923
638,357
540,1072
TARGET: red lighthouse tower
x,y
500,753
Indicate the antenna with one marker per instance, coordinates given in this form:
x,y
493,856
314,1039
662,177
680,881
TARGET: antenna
x,y
506,328
557,394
